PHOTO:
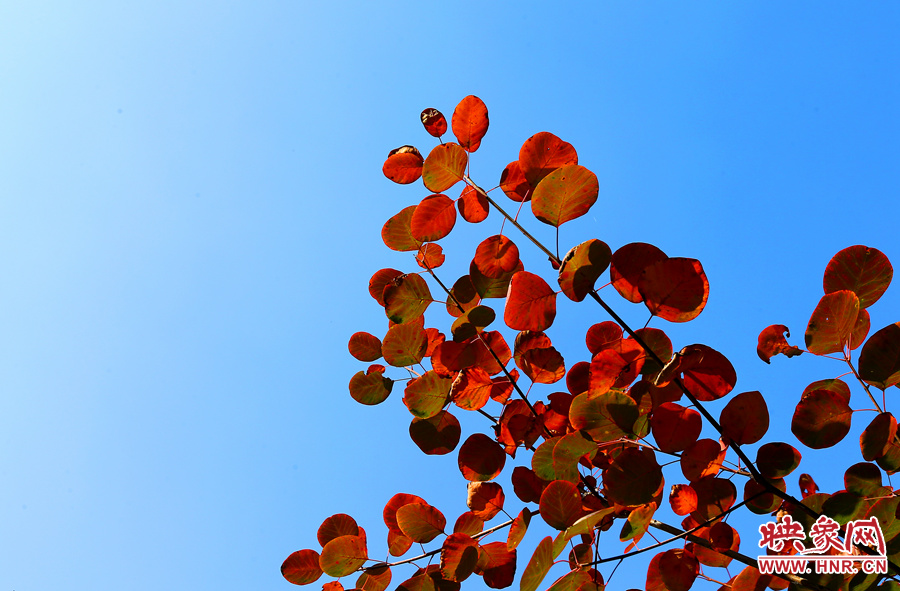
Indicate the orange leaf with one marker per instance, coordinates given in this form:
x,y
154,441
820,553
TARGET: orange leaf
x,y
404,345
430,256
336,526
514,184
302,567
403,165
434,122
420,522
565,194
683,499
406,298
459,555
444,167
879,360
496,256
364,346
627,266
342,556
426,395
396,234
772,342
863,270
530,303
832,322
433,218
472,205
485,499
470,122
543,153
370,387
582,266
468,523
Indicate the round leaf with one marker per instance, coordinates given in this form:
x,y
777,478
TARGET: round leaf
x,y
543,153
675,289
470,122
832,322
879,360
403,165
581,268
434,121
821,419
514,184
777,459
437,435
433,218
633,478
627,266
565,194
420,522
302,567
426,395
396,234
745,419
444,167
371,387
481,458
404,345
342,556
860,269
675,427
530,303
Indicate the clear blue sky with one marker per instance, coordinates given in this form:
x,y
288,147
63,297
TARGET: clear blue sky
x,y
190,205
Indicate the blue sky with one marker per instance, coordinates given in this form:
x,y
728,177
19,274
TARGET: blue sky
x,y
191,199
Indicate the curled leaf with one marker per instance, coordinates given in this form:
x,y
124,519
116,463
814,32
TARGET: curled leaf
x,y
772,342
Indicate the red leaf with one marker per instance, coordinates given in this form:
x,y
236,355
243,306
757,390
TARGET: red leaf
x,y
444,167
578,379
403,165
488,287
434,122
302,567
864,271
426,395
683,499
745,419
675,289
832,322
543,153
433,218
581,268
606,417
543,366
374,578
462,295
605,335
468,523
437,435
336,526
777,459
396,234
459,555
627,266
513,183
714,496
877,437
530,303
419,582
707,374
565,194
371,387
485,499
879,360
481,458
675,427
538,566
860,329
342,556
821,419
473,205
430,256
333,586
471,389
633,478
498,565
835,386
406,298
420,522
404,345
394,504
470,122
772,342
703,458
568,451
471,323
379,281
364,346
672,570
527,485
398,544
496,256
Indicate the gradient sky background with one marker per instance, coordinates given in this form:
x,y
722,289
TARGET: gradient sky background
x,y
191,201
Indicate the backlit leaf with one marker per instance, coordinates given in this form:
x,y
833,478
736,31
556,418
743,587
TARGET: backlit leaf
x,y
876,438
462,295
707,374
683,499
821,419
571,581
543,366
672,570
396,233
863,270
444,167
675,427
538,566
364,346
660,344
863,479
860,329
627,266
302,567
759,499
605,335
459,555
637,523
394,504
374,578
543,153
342,556
565,194
426,395
514,184
585,525
468,523
879,360
471,389
530,303
470,122
419,582
420,522
777,459
430,256
379,281
406,298
714,496
633,478
745,419
370,387
518,528
404,345
499,565
832,323
703,458
527,485
434,121
675,289
433,218
772,342
488,287
560,504
836,386
807,485
437,435
336,526
473,206
566,453
481,458
472,322
582,266
403,165
496,256
398,544
485,499
606,417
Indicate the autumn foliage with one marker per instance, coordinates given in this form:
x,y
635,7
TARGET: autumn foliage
x,y
616,435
